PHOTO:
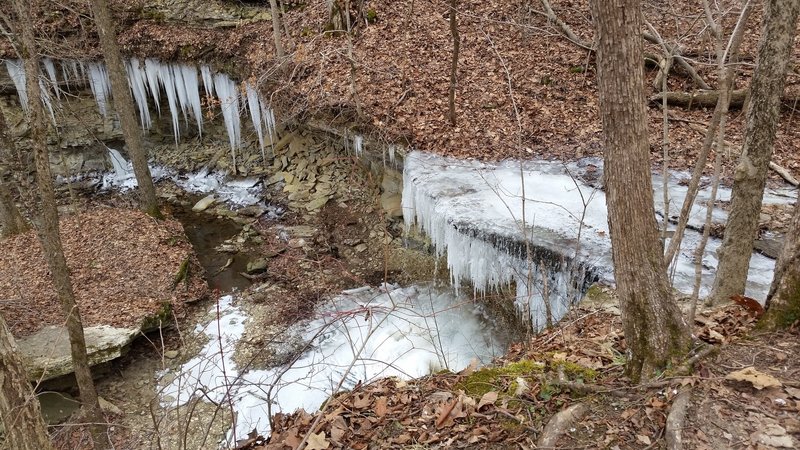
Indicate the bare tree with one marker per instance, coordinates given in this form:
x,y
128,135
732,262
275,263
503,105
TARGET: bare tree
x,y
454,65
123,103
655,331
276,28
750,176
10,218
48,227
22,419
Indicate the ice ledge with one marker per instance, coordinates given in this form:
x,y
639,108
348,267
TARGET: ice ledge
x,y
486,216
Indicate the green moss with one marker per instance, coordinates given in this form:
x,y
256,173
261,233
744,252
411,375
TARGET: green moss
x,y
785,312
182,275
575,371
372,15
158,319
500,379
577,69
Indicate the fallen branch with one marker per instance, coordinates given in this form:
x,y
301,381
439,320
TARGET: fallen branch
x,y
565,29
675,420
676,55
700,99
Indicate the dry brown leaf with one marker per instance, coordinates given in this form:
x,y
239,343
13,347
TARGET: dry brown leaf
x,y
317,441
381,406
488,399
759,380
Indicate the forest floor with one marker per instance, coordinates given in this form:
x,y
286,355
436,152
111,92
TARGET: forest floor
x,y
523,91
123,267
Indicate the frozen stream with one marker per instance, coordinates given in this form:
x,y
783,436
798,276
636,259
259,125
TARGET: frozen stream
x,y
358,336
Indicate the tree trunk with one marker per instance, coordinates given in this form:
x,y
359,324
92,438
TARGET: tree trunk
x,y
276,28
10,218
750,176
655,331
22,419
783,301
123,103
454,65
48,228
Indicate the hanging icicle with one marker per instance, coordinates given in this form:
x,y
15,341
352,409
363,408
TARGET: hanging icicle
x,y
229,102
254,103
16,71
101,86
208,80
192,87
136,80
50,68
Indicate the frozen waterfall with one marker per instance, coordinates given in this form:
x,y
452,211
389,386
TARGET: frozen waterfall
x,y
538,226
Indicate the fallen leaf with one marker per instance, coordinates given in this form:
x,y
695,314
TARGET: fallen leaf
x,y
381,406
317,441
488,399
643,439
759,380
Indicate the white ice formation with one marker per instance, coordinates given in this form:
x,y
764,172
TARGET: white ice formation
x,y
475,213
148,81
358,336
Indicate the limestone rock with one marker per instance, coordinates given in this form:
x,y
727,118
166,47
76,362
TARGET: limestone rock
x,y
392,205
47,353
257,266
204,203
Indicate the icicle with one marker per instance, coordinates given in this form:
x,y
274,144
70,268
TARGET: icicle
x,y
46,99
192,87
358,145
136,80
229,99
151,69
208,80
392,150
180,90
254,103
16,71
165,77
50,68
98,80
269,121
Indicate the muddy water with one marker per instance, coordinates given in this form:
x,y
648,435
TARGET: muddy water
x,y
206,232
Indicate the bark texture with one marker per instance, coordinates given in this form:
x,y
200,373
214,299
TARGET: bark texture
x,y
783,301
750,176
10,218
454,64
123,104
276,28
655,332
48,227
22,419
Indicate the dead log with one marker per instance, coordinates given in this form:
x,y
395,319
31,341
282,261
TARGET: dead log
x,y
675,52
700,99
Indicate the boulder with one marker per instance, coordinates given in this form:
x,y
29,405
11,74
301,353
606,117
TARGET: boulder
x,y
46,353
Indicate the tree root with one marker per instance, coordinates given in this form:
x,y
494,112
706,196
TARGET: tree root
x,y
560,423
675,420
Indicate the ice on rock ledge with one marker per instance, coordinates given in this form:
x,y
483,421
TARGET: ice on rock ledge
x,y
483,216
179,82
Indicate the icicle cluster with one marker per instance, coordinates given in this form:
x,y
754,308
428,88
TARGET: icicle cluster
x,y
149,79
